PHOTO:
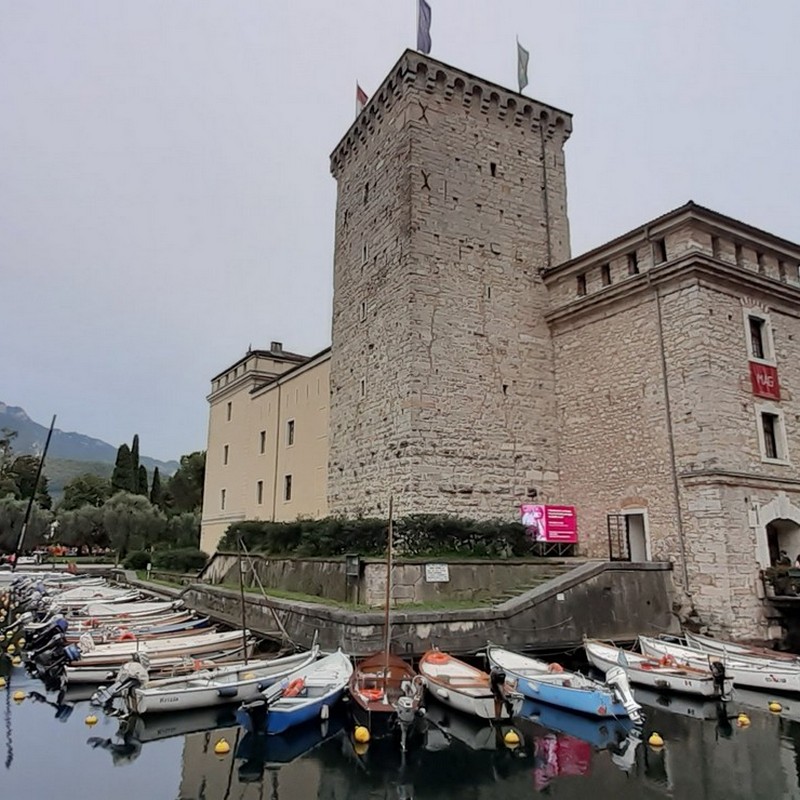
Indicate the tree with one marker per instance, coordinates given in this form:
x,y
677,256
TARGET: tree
x,y
8,485
186,485
183,531
83,526
156,493
123,478
137,489
132,523
141,483
85,490
24,470
12,515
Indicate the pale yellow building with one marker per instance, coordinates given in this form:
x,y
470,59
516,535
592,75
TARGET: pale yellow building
x,y
267,454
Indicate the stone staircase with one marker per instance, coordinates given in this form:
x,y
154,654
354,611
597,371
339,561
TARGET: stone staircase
x,y
545,573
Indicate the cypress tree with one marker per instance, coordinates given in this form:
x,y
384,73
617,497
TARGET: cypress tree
x,y
135,465
155,488
123,478
141,483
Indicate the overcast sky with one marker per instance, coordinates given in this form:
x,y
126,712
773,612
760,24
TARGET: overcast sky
x,y
165,196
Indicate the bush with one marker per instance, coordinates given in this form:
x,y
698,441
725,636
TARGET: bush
x,y
416,535
186,559
137,560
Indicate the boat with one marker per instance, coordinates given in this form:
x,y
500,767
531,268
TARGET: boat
x,y
469,689
651,672
474,732
203,688
757,672
552,684
303,695
99,612
721,647
387,693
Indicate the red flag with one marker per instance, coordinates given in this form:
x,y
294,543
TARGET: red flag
x,y
361,99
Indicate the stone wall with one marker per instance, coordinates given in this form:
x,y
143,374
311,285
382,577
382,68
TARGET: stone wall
x,y
451,198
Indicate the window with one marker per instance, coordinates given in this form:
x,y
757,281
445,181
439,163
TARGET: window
x,y
769,426
364,253
260,492
605,272
715,246
660,251
230,411
222,494
739,257
262,442
760,263
225,455
633,263
581,285
287,487
290,432
366,193
782,270
759,337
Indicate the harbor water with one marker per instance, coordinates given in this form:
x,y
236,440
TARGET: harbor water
x,y
50,751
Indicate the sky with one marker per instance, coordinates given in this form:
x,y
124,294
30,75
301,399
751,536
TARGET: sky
x,y
165,193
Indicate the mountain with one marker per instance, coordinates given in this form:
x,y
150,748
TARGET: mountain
x,y
65,445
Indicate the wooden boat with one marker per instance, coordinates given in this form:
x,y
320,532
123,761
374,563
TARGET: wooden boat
x,y
552,684
757,672
722,647
467,688
208,687
476,733
387,695
303,695
171,624
651,672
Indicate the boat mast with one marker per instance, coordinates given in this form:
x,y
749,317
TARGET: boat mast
x,y
24,529
387,630
241,595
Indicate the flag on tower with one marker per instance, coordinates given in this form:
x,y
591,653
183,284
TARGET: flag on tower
x,y
522,66
361,99
423,27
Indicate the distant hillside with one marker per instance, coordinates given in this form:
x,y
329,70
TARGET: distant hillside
x,y
60,471
65,445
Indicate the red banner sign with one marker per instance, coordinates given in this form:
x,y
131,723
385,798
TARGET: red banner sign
x,y
764,380
551,523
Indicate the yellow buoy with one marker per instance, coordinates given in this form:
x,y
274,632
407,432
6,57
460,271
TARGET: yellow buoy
x,y
222,747
18,696
511,739
20,643
361,734
11,649
91,720
2,682
16,661
360,748
774,706
742,720
655,740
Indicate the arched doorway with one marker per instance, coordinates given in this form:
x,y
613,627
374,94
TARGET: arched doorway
x,y
783,540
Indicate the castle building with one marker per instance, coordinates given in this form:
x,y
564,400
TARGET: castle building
x,y
476,366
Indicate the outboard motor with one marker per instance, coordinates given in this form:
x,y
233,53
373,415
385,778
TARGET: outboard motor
x,y
497,684
39,638
623,755
252,714
131,675
617,679
718,674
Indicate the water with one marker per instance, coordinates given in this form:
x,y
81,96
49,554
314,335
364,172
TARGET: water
x,y
561,756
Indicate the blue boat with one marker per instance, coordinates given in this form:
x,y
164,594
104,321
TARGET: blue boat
x,y
600,733
304,695
552,684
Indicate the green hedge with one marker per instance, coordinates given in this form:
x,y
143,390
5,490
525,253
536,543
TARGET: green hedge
x,y
137,560
416,535
186,559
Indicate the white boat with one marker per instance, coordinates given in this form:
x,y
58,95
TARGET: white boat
x,y
467,688
651,672
124,610
81,595
722,647
754,671
204,688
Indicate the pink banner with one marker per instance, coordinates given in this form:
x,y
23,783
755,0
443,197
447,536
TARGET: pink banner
x,y
551,523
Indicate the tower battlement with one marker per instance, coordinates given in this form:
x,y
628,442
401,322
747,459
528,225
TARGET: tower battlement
x,y
476,96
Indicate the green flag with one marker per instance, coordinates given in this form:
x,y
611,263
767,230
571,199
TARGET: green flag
x,y
522,66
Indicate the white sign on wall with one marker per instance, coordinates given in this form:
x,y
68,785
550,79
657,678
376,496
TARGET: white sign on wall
x,y
437,573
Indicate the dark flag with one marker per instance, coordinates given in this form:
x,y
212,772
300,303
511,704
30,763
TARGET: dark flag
x,y
423,27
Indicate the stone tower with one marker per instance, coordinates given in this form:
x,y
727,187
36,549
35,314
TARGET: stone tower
x,y
451,200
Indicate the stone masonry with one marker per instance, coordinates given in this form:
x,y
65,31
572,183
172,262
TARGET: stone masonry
x,y
451,199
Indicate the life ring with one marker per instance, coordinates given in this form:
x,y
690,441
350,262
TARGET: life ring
x,y
437,657
371,694
126,636
667,660
294,688
555,667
